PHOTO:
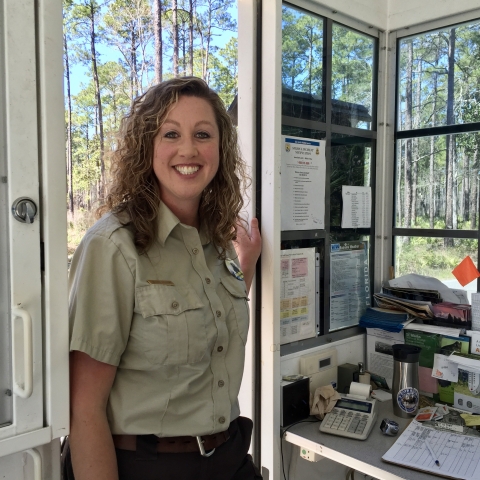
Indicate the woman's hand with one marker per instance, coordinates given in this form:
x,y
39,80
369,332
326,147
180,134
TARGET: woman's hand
x,y
248,248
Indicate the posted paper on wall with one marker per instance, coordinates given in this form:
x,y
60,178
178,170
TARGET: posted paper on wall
x,y
297,295
303,183
349,283
357,207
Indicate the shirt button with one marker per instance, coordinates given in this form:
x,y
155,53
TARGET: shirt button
x,y
221,420
195,251
219,313
219,349
221,383
174,304
207,280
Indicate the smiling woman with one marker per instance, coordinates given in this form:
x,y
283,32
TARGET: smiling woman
x,y
158,301
186,156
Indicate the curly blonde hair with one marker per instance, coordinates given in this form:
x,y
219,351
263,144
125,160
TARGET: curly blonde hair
x,y
135,189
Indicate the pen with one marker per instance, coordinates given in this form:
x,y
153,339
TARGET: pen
x,y
429,448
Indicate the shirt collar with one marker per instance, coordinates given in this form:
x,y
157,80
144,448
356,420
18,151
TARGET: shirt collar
x,y
167,221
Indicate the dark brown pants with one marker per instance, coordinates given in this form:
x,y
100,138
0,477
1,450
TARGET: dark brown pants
x,y
230,461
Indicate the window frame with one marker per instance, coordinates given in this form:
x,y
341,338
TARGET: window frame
x,y
397,135
330,17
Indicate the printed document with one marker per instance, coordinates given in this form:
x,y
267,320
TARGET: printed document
x,y
349,283
297,295
357,207
457,454
303,183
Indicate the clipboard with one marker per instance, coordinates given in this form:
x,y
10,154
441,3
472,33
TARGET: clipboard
x,y
457,453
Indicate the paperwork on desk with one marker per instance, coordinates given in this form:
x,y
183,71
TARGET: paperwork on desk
x,y
297,295
456,453
357,207
303,183
412,280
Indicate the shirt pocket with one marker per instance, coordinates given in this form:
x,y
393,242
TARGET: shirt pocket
x,y
238,296
173,329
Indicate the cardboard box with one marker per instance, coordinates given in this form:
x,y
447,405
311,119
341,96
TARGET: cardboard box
x,y
464,397
446,390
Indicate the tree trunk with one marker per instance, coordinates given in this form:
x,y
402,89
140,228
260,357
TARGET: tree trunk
x,y
416,147
431,187
175,37
449,159
465,190
133,62
310,60
98,98
190,36
157,22
408,142
474,192
69,130
206,73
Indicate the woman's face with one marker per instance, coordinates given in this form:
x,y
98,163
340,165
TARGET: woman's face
x,y
186,154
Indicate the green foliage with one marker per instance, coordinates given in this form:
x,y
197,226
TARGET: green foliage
x,y
429,256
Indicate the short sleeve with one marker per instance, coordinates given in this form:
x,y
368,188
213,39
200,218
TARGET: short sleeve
x,y
101,299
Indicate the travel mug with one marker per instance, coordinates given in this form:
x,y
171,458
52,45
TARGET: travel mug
x,y
405,395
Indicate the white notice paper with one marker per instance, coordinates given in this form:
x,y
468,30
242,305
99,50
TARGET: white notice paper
x,y
303,183
357,207
476,311
297,295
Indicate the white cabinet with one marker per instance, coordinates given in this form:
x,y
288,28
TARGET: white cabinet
x,y
33,297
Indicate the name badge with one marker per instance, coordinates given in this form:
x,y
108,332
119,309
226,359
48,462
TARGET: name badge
x,y
233,269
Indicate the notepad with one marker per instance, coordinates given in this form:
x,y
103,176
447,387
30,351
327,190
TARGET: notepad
x,y
457,454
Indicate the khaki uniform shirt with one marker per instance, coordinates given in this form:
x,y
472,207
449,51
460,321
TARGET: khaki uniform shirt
x,y
174,322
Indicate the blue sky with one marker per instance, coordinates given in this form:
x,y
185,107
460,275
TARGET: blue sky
x,y
79,72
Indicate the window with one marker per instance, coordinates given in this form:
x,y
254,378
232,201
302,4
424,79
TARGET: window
x,y
328,93
437,151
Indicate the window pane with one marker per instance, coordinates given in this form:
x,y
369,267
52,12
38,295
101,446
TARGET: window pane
x,y
439,79
352,77
303,132
302,65
434,257
433,191
350,165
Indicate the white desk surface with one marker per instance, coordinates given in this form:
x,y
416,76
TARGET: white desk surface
x,y
362,455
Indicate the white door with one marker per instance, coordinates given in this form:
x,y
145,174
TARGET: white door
x,y
33,319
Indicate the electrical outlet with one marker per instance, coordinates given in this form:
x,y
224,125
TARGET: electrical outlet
x,y
309,455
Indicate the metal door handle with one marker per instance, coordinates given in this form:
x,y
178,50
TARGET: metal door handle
x,y
24,210
25,390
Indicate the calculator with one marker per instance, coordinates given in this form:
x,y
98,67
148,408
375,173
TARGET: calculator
x,y
350,418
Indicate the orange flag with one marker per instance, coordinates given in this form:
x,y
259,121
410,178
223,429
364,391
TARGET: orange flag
x,y
466,271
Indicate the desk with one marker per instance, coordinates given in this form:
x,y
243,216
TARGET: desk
x,y
362,455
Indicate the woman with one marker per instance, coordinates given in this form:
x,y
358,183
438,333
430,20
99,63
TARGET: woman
x,y
158,307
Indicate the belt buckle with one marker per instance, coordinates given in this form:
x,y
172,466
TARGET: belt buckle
x,y
202,449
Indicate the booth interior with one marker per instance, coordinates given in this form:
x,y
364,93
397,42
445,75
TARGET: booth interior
x,y
374,218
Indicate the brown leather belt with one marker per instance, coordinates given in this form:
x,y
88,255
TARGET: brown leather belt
x,y
201,444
